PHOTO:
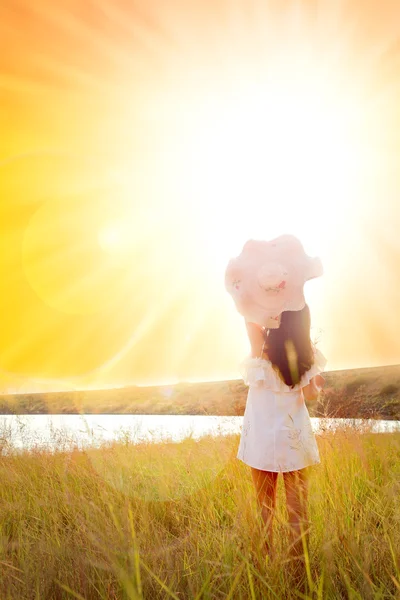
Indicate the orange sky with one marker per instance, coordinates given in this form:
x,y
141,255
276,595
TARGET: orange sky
x,y
142,143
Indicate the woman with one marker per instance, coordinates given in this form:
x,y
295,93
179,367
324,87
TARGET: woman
x,y
283,370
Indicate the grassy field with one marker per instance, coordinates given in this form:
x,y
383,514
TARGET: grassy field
x,y
353,393
180,520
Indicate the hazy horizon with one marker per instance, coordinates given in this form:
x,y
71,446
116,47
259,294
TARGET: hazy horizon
x,y
27,385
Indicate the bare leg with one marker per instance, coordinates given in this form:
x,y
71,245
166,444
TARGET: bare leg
x,y
265,483
296,486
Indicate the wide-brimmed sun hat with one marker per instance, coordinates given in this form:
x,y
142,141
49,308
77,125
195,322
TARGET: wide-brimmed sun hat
x,y
267,278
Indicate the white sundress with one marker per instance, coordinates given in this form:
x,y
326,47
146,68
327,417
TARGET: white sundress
x,y
277,434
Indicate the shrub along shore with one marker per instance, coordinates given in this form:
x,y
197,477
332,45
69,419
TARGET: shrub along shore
x,y
352,393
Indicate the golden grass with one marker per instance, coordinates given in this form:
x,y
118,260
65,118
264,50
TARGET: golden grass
x,y
180,520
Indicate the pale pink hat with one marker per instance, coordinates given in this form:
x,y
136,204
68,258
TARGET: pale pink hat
x,y
267,278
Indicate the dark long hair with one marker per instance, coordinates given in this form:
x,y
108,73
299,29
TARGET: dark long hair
x,y
289,347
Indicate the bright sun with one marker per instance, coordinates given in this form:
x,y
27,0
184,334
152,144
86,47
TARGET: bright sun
x,y
257,158
112,237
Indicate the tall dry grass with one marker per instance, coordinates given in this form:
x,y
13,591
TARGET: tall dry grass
x,y
180,520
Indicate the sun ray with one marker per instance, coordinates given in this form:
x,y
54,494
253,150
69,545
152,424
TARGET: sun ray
x,y
181,130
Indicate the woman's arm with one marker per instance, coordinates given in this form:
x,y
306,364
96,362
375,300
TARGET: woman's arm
x,y
312,390
256,338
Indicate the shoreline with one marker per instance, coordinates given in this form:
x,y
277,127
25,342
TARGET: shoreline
x,y
355,393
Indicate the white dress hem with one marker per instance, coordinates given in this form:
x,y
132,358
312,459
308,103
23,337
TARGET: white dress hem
x,y
318,462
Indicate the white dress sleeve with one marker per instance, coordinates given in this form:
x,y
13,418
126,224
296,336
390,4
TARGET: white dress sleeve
x,y
260,372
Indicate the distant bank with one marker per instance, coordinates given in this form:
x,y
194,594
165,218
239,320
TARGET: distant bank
x,y
353,393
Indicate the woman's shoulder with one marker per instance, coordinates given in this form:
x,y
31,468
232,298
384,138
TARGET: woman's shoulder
x,y
319,359
258,370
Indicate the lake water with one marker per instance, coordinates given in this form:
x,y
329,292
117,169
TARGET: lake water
x,y
62,432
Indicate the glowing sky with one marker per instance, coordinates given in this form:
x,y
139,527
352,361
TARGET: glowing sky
x,y
142,143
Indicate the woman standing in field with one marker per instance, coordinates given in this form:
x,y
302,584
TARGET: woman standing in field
x,y
282,371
